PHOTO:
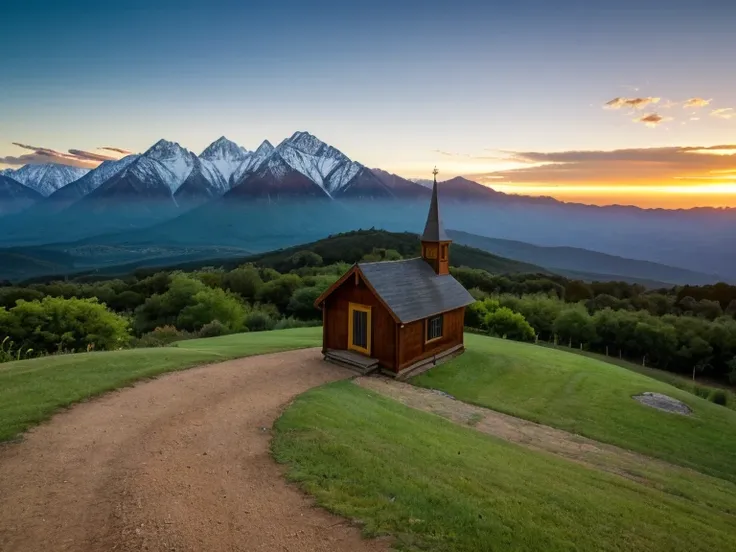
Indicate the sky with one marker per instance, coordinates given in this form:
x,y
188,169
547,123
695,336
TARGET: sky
x,y
617,102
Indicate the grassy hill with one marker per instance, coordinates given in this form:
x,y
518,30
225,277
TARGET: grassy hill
x,y
575,262
434,485
352,246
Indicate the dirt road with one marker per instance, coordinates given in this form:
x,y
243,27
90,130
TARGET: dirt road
x,y
180,463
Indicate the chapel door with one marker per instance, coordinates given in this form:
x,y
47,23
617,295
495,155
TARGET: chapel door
x,y
359,328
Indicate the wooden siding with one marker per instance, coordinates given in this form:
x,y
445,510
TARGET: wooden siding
x,y
412,338
335,321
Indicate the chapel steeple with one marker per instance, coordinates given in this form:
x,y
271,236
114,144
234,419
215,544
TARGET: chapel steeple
x,y
435,243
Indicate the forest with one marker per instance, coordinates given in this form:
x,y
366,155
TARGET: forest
x,y
687,330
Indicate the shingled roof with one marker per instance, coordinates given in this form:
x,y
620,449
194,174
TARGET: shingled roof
x,y
412,290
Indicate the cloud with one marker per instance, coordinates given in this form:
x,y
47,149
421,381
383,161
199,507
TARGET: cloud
x,y
87,155
118,150
645,166
74,157
635,103
651,120
696,102
724,113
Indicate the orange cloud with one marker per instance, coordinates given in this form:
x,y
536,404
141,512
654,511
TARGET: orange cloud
x,y
635,103
651,120
724,113
40,155
696,102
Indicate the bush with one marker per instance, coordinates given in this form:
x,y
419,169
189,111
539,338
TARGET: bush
x,y
475,314
259,320
163,336
245,281
702,392
55,324
287,323
719,396
279,291
213,329
504,322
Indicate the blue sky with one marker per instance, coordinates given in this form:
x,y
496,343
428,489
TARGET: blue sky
x,y
402,85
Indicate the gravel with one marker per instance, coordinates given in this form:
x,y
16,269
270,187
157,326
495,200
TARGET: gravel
x,y
663,402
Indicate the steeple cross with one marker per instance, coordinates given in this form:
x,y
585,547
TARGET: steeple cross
x,y
435,172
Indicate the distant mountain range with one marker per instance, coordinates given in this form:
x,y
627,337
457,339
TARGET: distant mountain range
x,y
303,189
575,262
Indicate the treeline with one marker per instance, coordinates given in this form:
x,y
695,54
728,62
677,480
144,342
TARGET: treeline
x,y
685,343
685,330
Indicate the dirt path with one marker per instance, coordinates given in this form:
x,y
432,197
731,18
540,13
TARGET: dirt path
x,y
539,437
180,463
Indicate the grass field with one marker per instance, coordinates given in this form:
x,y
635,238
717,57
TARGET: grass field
x,y
437,486
32,390
589,397
701,387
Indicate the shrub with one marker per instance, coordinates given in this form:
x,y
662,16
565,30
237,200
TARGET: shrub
x,y
244,281
286,323
475,314
700,391
55,324
213,329
259,320
163,336
504,322
719,396
279,291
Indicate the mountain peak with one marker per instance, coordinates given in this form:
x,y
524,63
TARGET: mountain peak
x,y
305,142
164,148
223,148
265,148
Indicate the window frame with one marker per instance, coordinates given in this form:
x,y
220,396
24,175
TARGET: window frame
x,y
352,308
428,325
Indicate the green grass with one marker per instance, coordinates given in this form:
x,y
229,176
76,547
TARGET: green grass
x,y
32,390
701,387
437,486
589,397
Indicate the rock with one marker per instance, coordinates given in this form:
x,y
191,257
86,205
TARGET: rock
x,y
663,402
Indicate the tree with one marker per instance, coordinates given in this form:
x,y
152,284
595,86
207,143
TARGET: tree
x,y
245,281
279,291
301,304
575,325
305,258
208,305
506,323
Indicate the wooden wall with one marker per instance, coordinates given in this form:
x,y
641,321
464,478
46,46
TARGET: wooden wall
x,y
335,321
412,337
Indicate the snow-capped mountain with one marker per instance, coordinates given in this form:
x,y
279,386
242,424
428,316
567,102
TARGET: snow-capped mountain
x,y
15,196
275,179
323,164
46,178
327,168
253,161
225,157
178,161
89,182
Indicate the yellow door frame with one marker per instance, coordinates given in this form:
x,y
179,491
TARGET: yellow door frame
x,y
352,307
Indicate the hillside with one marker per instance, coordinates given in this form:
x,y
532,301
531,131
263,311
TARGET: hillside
x,y
576,262
349,247
352,246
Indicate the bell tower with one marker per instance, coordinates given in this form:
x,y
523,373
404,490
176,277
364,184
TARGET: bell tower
x,y
435,243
